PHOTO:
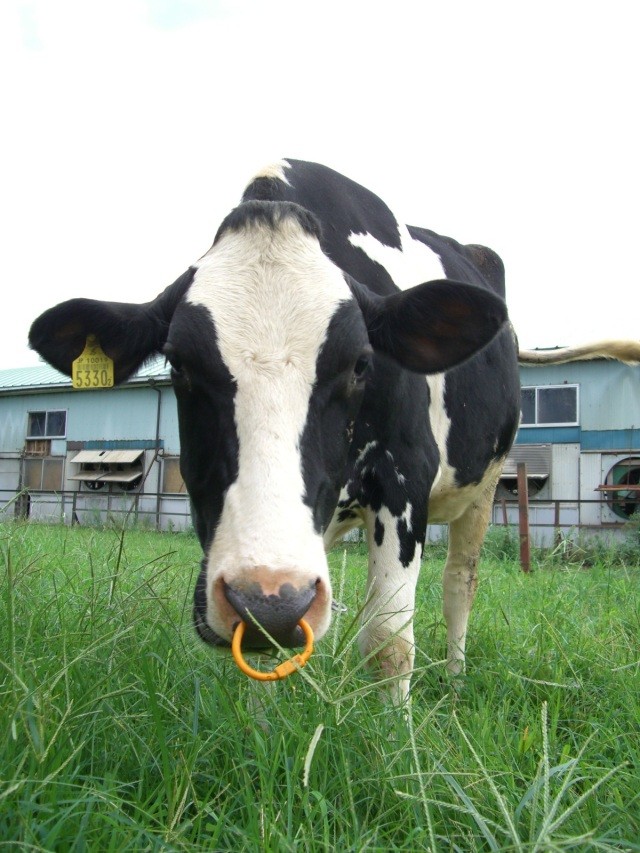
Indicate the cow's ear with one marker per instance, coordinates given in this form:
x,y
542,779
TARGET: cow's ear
x,y
433,326
128,333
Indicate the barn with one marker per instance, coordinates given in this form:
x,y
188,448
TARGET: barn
x,y
88,456
580,439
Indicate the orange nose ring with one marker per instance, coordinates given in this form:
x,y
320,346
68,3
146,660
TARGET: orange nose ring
x,y
283,669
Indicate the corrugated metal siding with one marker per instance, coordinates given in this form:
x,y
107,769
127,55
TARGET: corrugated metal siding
x,y
32,377
590,513
98,416
537,458
609,391
565,480
13,424
612,399
9,476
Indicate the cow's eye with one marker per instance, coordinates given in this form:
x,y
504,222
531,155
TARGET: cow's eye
x,y
361,367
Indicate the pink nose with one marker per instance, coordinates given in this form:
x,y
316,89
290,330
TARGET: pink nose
x,y
278,612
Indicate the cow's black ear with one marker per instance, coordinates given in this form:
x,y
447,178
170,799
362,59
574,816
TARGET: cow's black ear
x,y
433,326
128,333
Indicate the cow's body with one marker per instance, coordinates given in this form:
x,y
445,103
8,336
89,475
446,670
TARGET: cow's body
x,y
299,369
421,447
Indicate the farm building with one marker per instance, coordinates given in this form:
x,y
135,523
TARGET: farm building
x,y
580,439
85,455
81,456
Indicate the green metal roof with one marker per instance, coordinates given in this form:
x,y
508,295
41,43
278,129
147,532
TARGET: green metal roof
x,y
40,376
44,377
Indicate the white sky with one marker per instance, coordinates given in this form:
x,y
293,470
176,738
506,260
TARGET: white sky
x,y
131,127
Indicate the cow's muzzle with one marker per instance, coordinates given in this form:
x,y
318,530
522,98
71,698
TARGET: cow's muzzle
x,y
274,612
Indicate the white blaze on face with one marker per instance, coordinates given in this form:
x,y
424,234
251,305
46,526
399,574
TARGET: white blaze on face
x,y
271,295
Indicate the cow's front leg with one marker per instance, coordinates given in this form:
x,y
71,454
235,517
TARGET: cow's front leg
x,y
386,638
460,578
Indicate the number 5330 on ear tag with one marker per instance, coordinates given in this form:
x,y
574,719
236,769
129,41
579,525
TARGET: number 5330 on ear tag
x,y
92,368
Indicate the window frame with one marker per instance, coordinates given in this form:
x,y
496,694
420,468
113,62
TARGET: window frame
x,y
32,463
47,413
537,389
171,460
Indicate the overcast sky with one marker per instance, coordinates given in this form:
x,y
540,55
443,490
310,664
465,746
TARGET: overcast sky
x,y
131,127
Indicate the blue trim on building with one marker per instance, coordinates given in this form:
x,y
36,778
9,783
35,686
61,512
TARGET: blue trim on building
x,y
593,439
611,439
549,435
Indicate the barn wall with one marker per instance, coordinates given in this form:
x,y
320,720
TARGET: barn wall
x,y
590,465
13,424
169,422
565,472
609,422
609,397
117,413
9,483
101,419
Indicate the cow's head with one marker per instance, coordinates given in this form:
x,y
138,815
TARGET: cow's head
x,y
270,346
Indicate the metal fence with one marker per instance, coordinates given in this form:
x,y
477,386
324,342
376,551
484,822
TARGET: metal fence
x,y
143,509
548,520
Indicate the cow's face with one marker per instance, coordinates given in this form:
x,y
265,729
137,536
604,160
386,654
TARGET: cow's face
x,y
267,389
270,346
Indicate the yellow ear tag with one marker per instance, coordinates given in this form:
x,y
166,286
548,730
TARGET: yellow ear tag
x,y
92,368
283,670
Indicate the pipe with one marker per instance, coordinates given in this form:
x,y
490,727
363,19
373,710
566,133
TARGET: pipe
x,y
152,383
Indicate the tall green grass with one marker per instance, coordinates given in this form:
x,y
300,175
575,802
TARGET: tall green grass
x,y
121,731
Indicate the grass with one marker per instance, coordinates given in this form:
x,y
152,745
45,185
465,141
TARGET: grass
x,y
121,731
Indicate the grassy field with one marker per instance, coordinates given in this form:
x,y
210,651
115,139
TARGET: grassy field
x,y
121,731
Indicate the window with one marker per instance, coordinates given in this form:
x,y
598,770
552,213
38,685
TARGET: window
x,y
43,475
550,405
47,424
172,481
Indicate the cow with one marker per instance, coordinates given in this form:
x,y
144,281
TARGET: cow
x,y
333,367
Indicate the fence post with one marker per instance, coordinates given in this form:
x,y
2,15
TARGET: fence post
x,y
523,517
557,535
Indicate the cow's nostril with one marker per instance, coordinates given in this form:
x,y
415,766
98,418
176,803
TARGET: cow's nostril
x,y
278,613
